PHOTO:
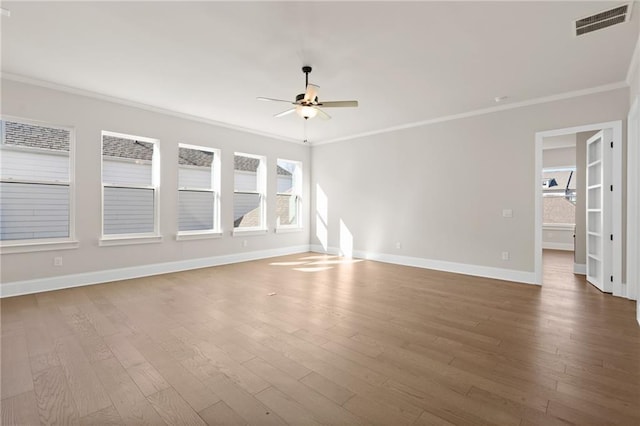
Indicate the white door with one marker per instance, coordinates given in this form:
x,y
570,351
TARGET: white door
x,y
599,237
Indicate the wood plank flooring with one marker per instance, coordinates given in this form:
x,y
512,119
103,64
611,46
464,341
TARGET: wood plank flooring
x,y
341,342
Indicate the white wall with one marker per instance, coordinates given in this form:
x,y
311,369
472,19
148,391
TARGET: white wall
x,y
559,157
559,237
89,117
439,190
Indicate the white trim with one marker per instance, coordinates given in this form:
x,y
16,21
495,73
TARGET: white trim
x,y
633,202
558,226
288,229
241,232
197,235
557,246
297,181
483,111
616,204
580,268
26,246
18,288
70,241
106,239
215,174
95,95
439,265
123,240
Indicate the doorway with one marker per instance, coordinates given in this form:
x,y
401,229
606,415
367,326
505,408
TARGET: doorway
x,y
612,208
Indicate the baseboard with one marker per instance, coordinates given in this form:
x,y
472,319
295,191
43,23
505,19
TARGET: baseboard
x,y
18,288
557,246
439,265
580,268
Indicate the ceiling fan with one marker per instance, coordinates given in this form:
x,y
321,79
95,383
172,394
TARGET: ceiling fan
x,y
307,104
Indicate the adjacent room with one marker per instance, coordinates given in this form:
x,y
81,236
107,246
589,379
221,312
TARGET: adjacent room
x,y
314,213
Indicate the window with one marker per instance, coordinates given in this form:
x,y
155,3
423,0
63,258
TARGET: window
x,y
130,180
559,195
198,189
249,178
288,202
35,183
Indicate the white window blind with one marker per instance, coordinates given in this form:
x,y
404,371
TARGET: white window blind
x,y
35,181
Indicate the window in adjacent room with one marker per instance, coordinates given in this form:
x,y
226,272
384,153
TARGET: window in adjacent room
x,y
36,191
130,182
250,176
198,190
559,195
288,197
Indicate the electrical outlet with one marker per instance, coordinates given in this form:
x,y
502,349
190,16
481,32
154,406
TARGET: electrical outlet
x,y
244,243
505,255
398,245
57,261
507,213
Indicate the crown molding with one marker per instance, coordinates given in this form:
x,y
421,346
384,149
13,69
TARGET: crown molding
x,y
483,111
633,65
95,95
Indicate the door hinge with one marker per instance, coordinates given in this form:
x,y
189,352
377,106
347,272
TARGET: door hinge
x,y
611,237
611,278
611,144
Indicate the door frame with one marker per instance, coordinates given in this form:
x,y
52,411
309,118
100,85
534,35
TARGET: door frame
x,y
633,203
616,199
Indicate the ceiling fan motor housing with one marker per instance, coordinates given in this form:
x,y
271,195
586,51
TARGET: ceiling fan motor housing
x,y
300,100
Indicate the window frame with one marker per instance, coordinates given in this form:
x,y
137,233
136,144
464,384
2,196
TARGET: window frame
x,y
215,187
296,184
45,244
132,238
559,193
261,190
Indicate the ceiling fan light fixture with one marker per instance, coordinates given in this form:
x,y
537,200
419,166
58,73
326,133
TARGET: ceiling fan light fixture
x,y
306,112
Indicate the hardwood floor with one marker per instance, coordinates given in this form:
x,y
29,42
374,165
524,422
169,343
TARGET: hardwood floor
x,y
340,342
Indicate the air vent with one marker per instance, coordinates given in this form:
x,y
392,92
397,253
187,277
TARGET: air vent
x,y
604,19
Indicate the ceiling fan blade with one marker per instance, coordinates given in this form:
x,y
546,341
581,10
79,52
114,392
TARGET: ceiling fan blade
x,y
283,113
312,93
338,104
260,98
323,114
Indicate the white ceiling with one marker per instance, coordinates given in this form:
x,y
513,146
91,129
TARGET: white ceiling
x,y
404,62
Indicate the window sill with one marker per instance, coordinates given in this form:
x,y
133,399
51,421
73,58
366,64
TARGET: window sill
x,y
251,231
559,226
288,229
122,240
27,247
197,235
